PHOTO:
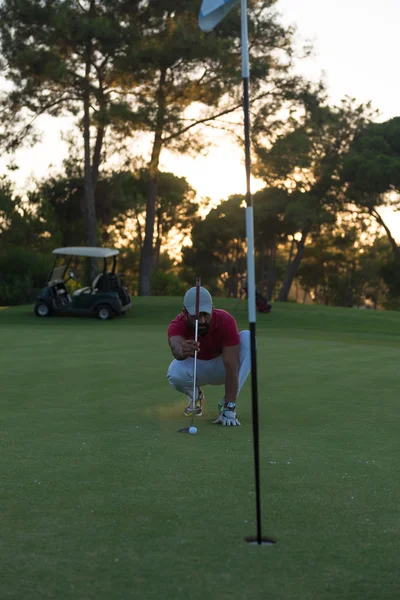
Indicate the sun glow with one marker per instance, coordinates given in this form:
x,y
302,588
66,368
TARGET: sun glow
x,y
218,175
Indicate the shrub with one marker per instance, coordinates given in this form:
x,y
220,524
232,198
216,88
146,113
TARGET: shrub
x,y
166,284
22,274
17,289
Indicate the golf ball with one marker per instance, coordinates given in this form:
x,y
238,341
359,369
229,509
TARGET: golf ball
x,y
192,430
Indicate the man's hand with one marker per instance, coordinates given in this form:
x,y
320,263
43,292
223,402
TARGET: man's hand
x,y
181,348
189,347
227,415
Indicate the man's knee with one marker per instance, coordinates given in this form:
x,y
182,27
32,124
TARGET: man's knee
x,y
179,373
245,338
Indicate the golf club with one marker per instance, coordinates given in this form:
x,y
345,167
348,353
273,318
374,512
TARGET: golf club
x,y
196,336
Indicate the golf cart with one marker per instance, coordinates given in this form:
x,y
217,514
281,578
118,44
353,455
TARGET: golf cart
x,y
105,298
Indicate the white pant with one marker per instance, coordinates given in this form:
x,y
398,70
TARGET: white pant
x,y
209,372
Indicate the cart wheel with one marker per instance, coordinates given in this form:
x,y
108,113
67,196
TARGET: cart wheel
x,y
42,309
104,312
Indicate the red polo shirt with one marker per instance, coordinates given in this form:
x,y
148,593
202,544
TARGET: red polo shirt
x,y
223,332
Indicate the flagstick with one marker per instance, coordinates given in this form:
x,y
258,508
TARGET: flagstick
x,y
250,262
211,13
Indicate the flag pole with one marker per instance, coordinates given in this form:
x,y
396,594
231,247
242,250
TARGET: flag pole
x,y
251,283
250,262
211,13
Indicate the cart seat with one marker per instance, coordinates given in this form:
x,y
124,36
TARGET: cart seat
x,y
90,289
84,290
95,282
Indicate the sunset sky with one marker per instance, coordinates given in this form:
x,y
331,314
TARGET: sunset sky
x,y
355,49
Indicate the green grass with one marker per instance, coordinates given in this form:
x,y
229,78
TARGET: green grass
x,y
101,498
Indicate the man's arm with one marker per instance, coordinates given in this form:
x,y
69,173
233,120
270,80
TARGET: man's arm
x,y
182,348
230,355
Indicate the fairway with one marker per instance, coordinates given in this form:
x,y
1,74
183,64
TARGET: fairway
x,y
102,499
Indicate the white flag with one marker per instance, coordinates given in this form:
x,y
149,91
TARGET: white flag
x,y
213,11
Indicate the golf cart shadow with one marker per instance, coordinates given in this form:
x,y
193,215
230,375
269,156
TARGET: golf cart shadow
x,y
104,298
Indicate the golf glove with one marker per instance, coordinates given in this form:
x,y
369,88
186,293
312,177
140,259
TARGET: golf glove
x,y
227,415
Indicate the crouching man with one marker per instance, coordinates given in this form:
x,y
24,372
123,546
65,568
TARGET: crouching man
x,y
223,355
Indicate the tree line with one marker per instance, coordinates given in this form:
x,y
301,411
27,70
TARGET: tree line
x,y
122,69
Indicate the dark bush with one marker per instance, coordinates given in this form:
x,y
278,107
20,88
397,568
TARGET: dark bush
x,y
17,289
166,284
22,274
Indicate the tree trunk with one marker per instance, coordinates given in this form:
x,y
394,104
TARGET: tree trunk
x,y
156,258
89,208
157,248
138,228
291,251
376,297
350,287
292,269
97,155
395,247
262,269
271,273
146,255
232,281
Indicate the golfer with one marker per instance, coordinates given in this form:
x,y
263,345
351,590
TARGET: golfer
x,y
223,355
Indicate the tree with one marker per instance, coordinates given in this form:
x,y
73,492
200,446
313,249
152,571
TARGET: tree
x,y
183,67
20,225
219,247
176,208
24,256
62,58
129,66
330,271
272,226
7,206
120,207
374,258
306,158
371,171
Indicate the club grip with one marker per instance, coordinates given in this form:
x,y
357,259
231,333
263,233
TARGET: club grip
x,y
198,284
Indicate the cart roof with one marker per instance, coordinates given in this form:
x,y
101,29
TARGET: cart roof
x,y
90,251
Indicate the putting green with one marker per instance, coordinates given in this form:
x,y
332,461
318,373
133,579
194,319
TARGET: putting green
x,y
102,499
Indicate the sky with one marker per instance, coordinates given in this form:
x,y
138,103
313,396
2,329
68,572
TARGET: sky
x,y
355,49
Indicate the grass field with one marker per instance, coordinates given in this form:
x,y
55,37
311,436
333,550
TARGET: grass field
x,y
102,499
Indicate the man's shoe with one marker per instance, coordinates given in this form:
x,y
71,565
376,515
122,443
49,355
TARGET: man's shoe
x,y
198,410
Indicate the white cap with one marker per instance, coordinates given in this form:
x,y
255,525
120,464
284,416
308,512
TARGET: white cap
x,y
205,304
